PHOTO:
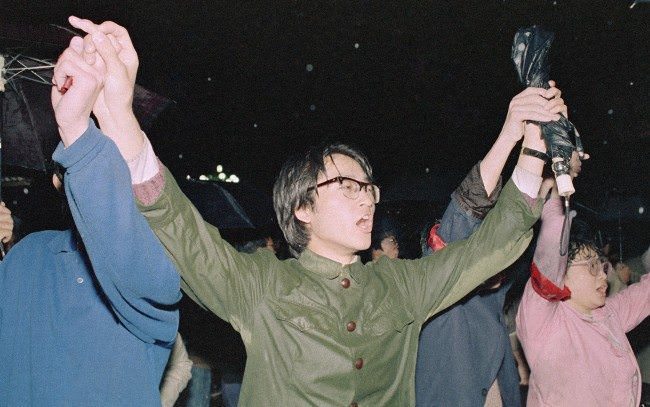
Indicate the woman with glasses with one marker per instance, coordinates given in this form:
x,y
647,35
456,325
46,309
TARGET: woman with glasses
x,y
572,334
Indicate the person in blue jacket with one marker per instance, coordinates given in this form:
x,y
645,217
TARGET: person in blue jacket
x,y
87,315
464,353
465,348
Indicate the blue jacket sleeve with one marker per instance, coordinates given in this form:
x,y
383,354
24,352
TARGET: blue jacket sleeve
x,y
129,262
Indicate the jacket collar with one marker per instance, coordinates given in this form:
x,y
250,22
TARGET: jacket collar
x,y
331,269
63,242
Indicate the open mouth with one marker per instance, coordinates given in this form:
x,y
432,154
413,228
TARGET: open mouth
x,y
365,224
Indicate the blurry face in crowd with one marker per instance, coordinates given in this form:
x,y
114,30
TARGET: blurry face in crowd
x,y
587,281
339,226
390,247
270,244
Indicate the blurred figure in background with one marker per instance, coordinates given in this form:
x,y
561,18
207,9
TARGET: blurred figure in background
x,y
384,239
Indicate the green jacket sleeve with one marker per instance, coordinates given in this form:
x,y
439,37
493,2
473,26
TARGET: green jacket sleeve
x,y
436,282
213,273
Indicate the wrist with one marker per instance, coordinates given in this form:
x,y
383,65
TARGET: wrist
x,y
507,140
71,132
540,155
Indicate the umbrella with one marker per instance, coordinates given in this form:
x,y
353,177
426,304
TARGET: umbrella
x,y
29,131
530,56
220,208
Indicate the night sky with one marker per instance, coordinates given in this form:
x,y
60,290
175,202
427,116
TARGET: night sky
x,y
417,85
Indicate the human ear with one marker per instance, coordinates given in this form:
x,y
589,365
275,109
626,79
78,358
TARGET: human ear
x,y
303,214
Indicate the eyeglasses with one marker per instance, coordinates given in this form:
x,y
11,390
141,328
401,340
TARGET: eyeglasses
x,y
594,265
351,187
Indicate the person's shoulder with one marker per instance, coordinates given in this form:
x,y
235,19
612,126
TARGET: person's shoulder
x,y
27,258
41,236
30,244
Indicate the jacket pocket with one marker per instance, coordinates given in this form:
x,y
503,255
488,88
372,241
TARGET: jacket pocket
x,y
389,316
302,316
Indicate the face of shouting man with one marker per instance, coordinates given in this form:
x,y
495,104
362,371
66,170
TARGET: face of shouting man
x,y
339,221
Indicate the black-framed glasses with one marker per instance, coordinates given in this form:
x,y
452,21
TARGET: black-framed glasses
x,y
352,187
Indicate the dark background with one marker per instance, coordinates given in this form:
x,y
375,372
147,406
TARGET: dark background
x,y
424,94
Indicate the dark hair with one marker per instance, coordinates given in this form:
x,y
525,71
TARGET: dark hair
x,y
251,246
576,248
293,189
581,240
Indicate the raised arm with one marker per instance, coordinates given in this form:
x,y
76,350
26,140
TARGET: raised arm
x,y
547,259
130,265
108,47
545,287
478,192
506,231
213,273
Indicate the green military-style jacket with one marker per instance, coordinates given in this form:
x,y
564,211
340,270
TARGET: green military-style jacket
x,y
318,333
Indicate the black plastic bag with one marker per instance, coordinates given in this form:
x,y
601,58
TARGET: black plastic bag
x,y
530,56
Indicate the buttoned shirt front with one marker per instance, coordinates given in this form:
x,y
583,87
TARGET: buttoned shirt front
x,y
320,333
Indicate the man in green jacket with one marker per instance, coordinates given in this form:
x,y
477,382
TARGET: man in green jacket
x,y
324,329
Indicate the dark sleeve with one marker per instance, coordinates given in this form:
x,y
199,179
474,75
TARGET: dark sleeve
x,y
468,206
472,196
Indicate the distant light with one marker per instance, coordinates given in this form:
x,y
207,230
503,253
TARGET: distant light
x,y
219,168
631,83
180,156
15,202
555,3
222,176
203,178
255,125
610,112
604,142
309,67
641,210
312,107
187,177
426,170
209,79
638,1
234,178
356,45
25,191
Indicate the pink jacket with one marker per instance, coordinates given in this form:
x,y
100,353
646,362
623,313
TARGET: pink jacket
x,y
575,359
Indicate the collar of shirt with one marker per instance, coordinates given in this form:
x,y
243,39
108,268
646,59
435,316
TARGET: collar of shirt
x,y
64,242
331,269
598,315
